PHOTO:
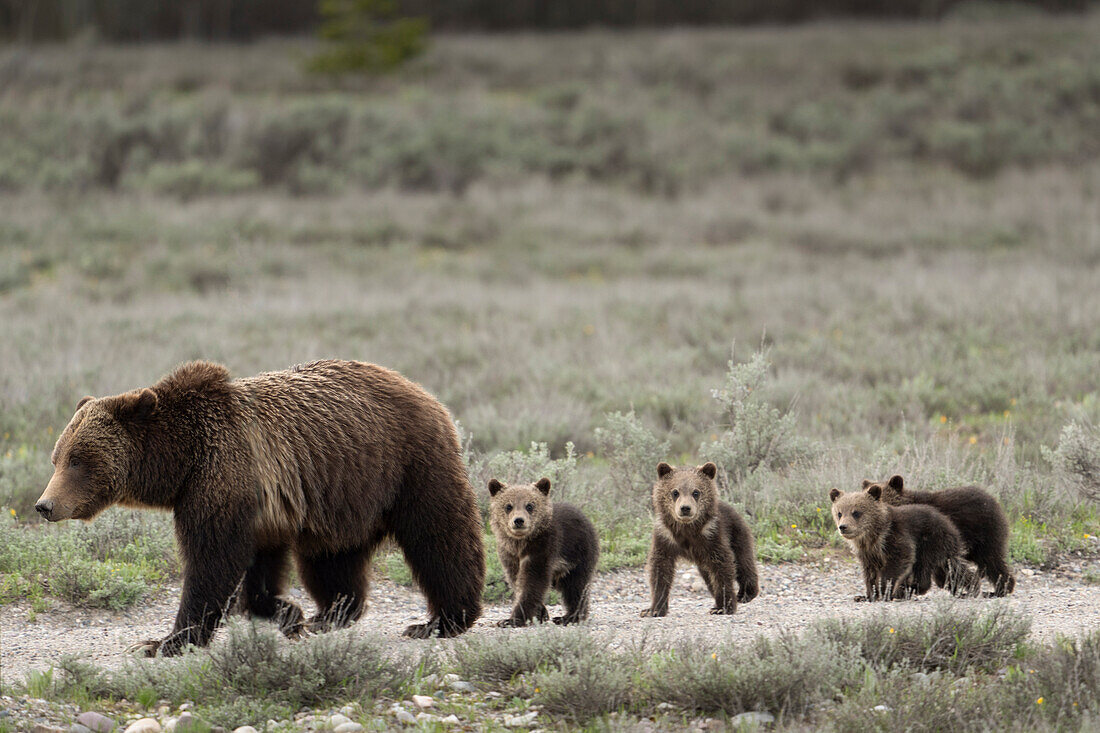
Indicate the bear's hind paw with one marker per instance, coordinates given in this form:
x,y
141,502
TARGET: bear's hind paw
x,y
147,648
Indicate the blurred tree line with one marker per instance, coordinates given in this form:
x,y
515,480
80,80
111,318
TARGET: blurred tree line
x,y
136,20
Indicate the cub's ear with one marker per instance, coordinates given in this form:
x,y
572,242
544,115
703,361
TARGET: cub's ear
x,y
834,494
84,400
494,487
867,483
543,485
708,469
663,469
138,406
875,492
897,483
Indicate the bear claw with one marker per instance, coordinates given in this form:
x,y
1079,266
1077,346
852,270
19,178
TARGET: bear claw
x,y
147,648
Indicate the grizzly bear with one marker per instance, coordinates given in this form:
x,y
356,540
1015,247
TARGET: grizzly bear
x,y
323,461
542,545
902,549
692,522
980,520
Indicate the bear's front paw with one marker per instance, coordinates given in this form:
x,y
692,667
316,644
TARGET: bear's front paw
x,y
654,612
747,593
421,631
147,648
512,622
723,611
861,599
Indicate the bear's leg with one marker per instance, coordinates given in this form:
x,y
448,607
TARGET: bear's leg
x,y
744,551
438,526
337,581
263,582
662,568
1000,575
722,569
574,595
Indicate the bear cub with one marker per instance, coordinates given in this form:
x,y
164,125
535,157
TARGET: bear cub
x,y
980,520
902,549
542,545
693,523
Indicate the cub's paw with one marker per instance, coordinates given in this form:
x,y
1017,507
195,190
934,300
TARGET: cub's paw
x,y
421,631
511,622
720,611
747,593
146,648
654,612
861,599
566,620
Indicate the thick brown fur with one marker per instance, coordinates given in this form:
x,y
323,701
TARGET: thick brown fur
x,y
323,461
542,545
979,518
902,549
692,522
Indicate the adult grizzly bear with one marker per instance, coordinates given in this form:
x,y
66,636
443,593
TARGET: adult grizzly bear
x,y
981,522
324,460
692,522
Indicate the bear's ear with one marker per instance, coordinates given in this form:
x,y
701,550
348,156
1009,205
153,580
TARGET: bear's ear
x,y
543,485
663,469
138,406
708,469
875,492
866,483
834,494
494,487
897,483
84,400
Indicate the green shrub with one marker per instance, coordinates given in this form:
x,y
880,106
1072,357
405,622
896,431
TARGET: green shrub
x,y
193,178
632,452
366,36
1076,459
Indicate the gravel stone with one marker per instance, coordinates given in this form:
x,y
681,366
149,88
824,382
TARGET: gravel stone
x,y
96,721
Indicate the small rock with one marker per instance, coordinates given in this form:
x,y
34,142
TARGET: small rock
x,y
47,729
451,719
245,729
406,717
461,686
337,720
665,706
144,725
348,727
759,717
881,709
78,728
422,701
96,721
426,718
520,721
170,725
348,710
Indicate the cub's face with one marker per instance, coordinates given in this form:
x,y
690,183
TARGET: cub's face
x,y
857,512
685,495
92,457
891,491
521,510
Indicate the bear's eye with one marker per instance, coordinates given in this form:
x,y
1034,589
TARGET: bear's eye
x,y
695,494
675,494
855,515
530,508
839,515
74,462
508,508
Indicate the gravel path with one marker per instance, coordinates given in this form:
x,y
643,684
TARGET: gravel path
x,y
792,597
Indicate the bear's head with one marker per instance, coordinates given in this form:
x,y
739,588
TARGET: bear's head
x,y
860,516
892,491
522,510
95,457
686,495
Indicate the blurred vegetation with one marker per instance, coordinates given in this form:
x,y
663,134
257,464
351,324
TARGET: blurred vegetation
x,y
563,236
366,36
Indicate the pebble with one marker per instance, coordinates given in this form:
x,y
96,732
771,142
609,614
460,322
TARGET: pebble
x,y
95,721
881,709
245,729
78,728
422,701
337,720
348,727
426,718
451,719
144,725
187,723
520,721
758,717
40,728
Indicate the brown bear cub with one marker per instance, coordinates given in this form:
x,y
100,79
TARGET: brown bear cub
x,y
980,520
902,549
542,545
321,463
693,523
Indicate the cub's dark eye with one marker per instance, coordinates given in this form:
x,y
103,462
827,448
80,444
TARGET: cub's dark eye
x,y
855,515
508,508
530,508
695,494
675,494
839,515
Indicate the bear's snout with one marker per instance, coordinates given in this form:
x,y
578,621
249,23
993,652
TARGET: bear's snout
x,y
685,511
44,507
518,522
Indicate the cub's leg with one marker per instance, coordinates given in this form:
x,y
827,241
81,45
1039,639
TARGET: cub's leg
x,y
662,568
